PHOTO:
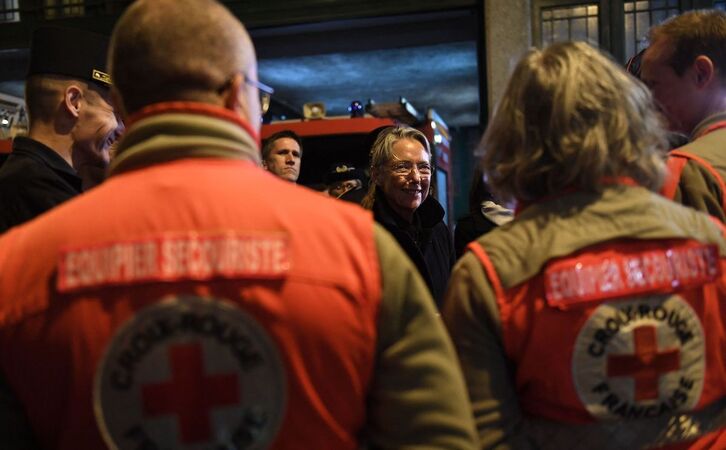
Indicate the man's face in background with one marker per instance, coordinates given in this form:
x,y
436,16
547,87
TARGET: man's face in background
x,y
284,159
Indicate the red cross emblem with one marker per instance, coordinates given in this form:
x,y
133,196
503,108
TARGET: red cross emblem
x,y
646,365
190,394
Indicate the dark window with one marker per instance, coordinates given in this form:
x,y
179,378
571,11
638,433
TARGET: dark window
x,y
54,9
640,16
9,11
570,23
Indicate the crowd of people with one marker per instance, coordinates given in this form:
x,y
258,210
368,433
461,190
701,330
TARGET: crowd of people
x,y
164,283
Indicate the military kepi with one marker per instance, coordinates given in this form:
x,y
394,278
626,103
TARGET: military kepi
x,y
342,172
70,52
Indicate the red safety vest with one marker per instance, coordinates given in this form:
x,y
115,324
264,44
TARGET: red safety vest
x,y
618,331
160,311
677,160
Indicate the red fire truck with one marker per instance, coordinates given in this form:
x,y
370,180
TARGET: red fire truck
x,y
331,140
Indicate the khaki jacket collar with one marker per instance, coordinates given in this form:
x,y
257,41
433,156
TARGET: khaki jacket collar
x,y
170,131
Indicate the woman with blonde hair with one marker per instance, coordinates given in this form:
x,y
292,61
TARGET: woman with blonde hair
x,y
592,320
398,195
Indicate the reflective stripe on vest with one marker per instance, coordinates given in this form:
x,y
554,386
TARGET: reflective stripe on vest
x,y
674,167
677,160
641,433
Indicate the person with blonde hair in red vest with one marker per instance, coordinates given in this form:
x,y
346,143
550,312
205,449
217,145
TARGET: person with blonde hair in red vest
x,y
196,301
595,319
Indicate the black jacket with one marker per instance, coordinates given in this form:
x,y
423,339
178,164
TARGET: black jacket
x,y
427,241
33,180
469,228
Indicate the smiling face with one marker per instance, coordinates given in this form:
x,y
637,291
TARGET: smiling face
x,y
284,159
406,177
96,129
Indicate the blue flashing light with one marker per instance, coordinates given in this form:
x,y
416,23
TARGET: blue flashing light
x,y
356,109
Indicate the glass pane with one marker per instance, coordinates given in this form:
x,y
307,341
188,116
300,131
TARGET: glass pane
x,y
642,23
60,8
547,34
578,11
592,32
8,11
643,14
74,8
578,22
642,44
629,34
560,31
659,16
49,10
578,32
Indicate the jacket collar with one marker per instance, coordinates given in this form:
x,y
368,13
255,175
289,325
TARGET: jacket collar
x,y
45,155
707,123
428,214
170,131
42,153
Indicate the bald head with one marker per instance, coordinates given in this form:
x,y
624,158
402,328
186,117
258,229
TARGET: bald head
x,y
167,50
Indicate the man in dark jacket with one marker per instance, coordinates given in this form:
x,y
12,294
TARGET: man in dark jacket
x,y
71,125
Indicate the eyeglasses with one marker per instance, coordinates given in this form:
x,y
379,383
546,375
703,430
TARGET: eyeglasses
x,y
264,90
404,168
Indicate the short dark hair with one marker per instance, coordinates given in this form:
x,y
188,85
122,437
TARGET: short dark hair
x,y
43,93
40,103
267,146
695,33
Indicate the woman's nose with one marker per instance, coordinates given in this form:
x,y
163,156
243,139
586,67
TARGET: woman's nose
x,y
414,173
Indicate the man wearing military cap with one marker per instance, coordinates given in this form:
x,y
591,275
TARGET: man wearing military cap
x,y
346,182
71,125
